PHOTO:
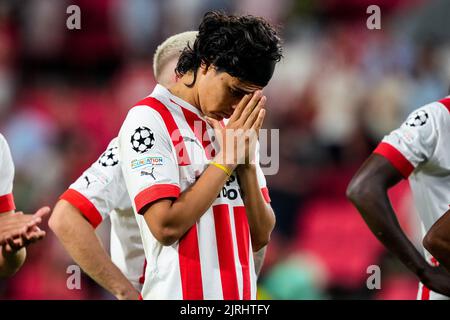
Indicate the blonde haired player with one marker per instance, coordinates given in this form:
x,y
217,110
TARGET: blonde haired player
x,y
100,192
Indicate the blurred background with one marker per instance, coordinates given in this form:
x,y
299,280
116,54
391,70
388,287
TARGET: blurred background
x,y
339,89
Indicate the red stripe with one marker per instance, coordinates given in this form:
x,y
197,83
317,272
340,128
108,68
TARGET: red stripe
x,y
155,192
446,103
172,128
140,297
265,193
225,252
196,123
7,203
425,293
142,278
83,204
243,241
396,158
190,268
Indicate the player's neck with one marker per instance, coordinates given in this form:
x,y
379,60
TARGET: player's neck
x,y
182,91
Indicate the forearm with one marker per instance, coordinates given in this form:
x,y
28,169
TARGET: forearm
x,y
169,221
81,242
10,263
261,218
376,210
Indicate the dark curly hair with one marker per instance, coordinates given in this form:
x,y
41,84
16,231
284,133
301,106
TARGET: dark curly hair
x,y
246,47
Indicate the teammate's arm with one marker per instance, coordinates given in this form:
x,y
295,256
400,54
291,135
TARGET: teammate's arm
x,y
437,240
368,191
80,240
18,230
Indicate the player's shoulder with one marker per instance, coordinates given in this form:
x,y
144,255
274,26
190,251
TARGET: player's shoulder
x,y
110,157
3,142
149,108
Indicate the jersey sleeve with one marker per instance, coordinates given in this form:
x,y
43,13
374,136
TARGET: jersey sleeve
x,y
149,165
414,141
6,177
98,190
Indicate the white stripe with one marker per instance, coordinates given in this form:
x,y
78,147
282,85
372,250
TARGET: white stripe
x,y
209,259
237,261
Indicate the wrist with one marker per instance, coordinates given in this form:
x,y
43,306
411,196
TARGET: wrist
x,y
127,294
221,160
246,168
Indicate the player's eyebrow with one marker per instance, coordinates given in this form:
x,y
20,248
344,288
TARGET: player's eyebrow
x,y
240,90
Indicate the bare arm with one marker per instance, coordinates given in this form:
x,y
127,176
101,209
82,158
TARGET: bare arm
x,y
18,230
437,240
368,192
10,262
80,240
169,220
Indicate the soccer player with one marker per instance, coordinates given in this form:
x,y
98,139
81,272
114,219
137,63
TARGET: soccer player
x,y
17,230
437,240
100,192
417,151
198,223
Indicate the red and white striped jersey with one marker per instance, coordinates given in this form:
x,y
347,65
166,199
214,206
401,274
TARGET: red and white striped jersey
x,y
6,177
100,193
420,151
162,153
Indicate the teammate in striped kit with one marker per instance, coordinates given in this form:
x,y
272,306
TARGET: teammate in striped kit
x,y
100,192
417,151
198,223
17,230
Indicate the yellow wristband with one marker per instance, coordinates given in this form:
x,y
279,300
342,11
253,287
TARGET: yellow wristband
x,y
225,169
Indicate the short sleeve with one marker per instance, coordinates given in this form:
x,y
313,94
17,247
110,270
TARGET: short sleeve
x,y
6,177
99,189
414,141
149,165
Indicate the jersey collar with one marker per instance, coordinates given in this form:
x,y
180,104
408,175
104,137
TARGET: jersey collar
x,y
162,91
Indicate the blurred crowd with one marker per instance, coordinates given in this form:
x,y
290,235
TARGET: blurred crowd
x,y
339,88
